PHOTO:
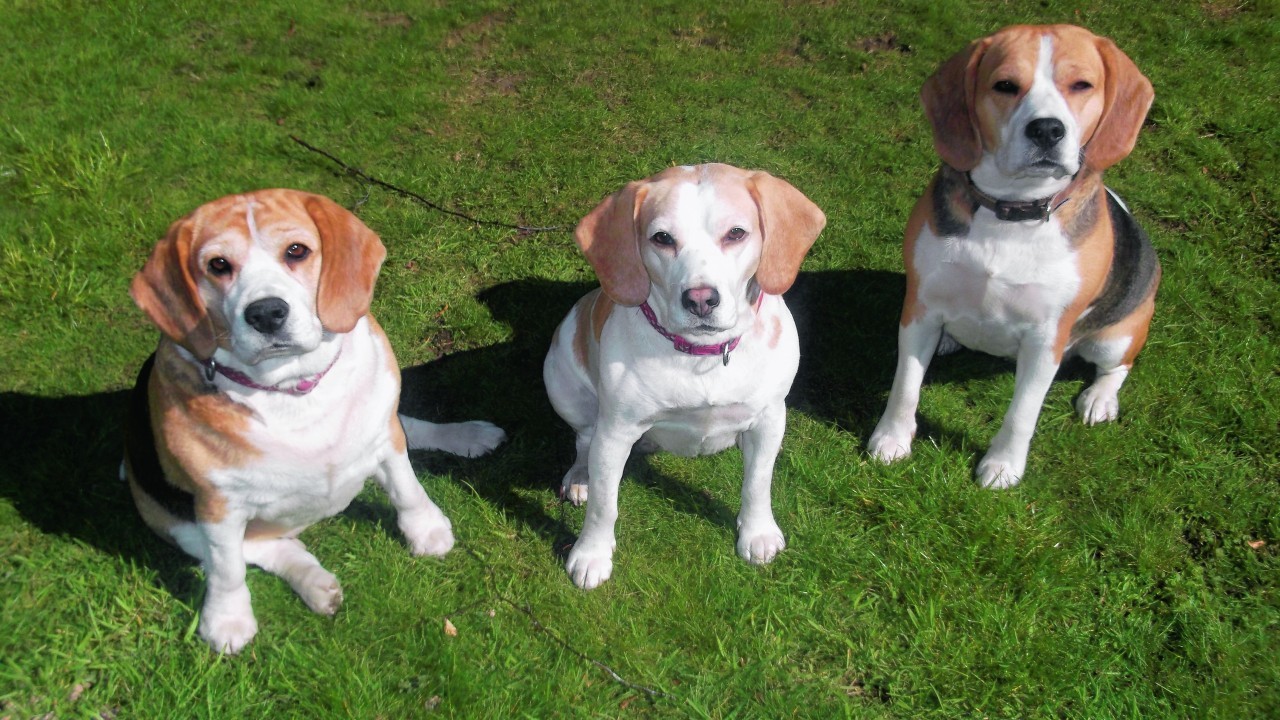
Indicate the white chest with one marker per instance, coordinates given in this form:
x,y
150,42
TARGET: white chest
x,y
1001,282
317,451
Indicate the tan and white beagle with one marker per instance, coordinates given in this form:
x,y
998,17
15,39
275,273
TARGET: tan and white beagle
x,y
687,346
1017,248
271,399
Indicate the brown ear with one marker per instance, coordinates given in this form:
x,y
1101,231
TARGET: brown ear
x,y
789,222
610,239
350,256
1128,97
166,291
948,104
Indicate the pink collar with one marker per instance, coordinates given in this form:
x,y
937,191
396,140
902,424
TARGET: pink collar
x,y
302,388
684,345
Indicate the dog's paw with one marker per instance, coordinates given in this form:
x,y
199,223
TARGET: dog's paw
x,y
430,535
574,486
997,472
589,566
228,633
887,446
759,543
475,438
1098,405
320,590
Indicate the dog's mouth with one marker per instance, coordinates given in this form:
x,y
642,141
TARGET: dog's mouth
x,y
706,329
278,349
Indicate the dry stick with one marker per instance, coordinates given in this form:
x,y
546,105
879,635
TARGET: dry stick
x,y
358,173
649,692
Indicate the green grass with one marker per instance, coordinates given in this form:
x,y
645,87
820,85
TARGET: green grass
x,y
1134,573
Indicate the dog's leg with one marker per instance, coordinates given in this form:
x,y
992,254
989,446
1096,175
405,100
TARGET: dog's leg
x,y
917,343
468,439
425,527
759,537
1100,402
226,620
1113,356
591,559
288,558
1006,460
575,484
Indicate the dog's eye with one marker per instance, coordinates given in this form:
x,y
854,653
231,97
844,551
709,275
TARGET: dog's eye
x,y
1081,86
662,238
296,252
1005,87
219,267
735,234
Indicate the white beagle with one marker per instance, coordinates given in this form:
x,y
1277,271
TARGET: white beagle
x,y
272,398
687,345
1017,248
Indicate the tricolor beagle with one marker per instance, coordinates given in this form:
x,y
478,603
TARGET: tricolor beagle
x,y
687,346
272,398
1017,248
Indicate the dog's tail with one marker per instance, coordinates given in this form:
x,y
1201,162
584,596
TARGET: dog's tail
x,y
468,439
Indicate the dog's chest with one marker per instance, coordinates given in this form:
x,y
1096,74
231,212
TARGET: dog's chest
x,y
315,456
999,283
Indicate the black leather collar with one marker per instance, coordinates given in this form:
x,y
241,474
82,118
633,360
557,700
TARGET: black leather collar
x,y
1020,210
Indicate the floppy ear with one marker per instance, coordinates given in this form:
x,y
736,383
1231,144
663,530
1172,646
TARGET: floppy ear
x,y
948,104
166,291
350,256
610,239
789,222
1128,97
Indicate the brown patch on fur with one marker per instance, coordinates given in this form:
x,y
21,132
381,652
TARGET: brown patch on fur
x,y
1094,251
775,332
583,310
600,312
398,441
197,430
1135,327
912,306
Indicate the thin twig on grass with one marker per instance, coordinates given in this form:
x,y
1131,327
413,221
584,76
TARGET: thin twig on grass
x,y
649,693
358,173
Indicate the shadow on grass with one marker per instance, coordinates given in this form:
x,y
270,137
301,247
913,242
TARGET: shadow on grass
x,y
848,328
62,454
61,472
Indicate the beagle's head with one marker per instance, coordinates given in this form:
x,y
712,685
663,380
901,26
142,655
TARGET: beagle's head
x,y
262,275
1029,105
695,242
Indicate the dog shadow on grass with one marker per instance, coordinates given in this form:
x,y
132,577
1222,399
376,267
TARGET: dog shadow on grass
x,y
62,454
61,473
847,322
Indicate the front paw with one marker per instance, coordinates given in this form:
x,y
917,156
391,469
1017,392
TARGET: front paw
x,y
760,542
228,633
888,444
588,565
430,535
320,590
1098,405
998,471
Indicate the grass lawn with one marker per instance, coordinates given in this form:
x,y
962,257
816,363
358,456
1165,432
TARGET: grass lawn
x,y
1134,573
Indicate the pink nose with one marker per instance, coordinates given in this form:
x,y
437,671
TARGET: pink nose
x,y
700,301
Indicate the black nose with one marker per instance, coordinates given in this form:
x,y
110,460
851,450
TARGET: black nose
x,y
700,301
1045,132
267,315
